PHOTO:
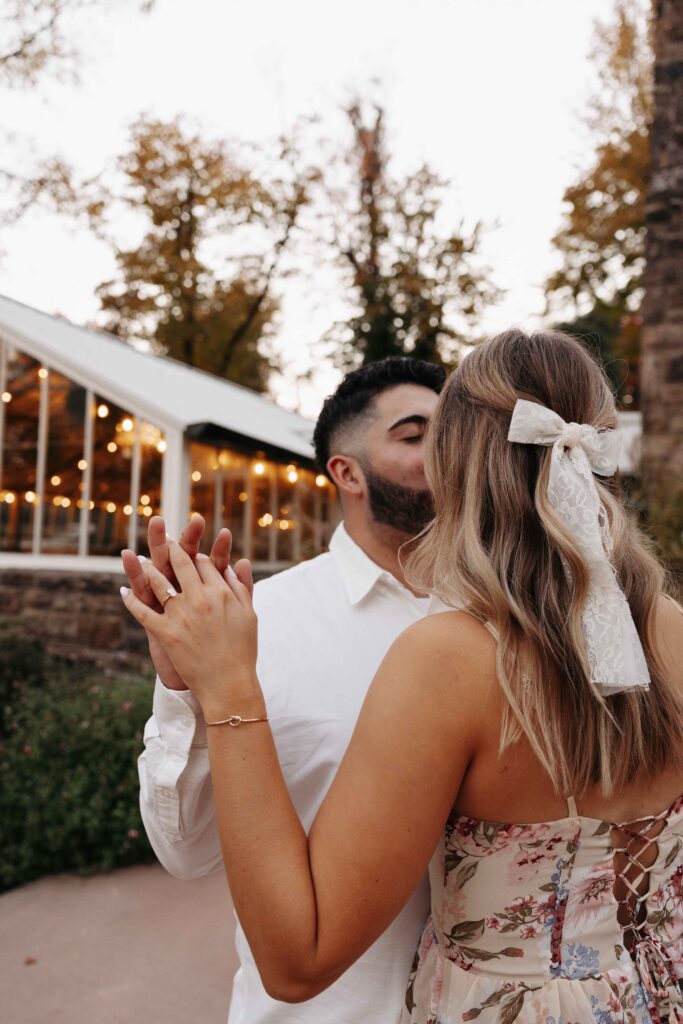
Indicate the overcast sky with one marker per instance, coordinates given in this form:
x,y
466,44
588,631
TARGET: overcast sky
x,y
488,92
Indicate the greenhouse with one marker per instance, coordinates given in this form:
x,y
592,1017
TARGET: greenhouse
x,y
96,437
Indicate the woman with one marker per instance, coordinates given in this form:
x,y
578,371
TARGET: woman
x,y
559,683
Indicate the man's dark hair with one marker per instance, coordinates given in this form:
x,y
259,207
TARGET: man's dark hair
x,y
359,387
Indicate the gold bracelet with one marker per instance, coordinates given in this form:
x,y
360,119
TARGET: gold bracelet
x,y
236,720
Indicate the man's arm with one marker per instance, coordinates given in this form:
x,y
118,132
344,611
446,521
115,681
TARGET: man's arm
x,y
176,801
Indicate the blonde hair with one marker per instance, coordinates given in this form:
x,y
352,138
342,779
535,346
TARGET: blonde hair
x,y
497,549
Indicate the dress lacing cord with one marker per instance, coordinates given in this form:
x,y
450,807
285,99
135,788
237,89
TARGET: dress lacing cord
x,y
635,850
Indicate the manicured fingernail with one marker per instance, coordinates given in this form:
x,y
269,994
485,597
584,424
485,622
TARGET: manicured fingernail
x,y
141,558
171,591
232,572
169,537
125,591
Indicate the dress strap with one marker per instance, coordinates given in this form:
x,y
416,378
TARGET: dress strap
x,y
571,807
674,602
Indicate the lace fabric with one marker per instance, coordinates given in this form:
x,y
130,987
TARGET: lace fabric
x,y
613,647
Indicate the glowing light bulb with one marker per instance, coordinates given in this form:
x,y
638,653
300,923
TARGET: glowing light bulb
x,y
127,510
259,468
196,475
102,411
30,497
82,464
147,511
6,397
42,373
10,498
110,506
320,480
66,503
266,519
112,446
127,424
161,446
55,480
145,499
243,496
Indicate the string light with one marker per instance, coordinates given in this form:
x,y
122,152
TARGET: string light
x,y
102,411
10,498
161,446
65,503
82,464
320,480
243,496
6,397
127,510
55,480
127,424
110,506
196,476
30,497
145,499
112,446
266,519
57,501
147,511
292,474
42,373
259,468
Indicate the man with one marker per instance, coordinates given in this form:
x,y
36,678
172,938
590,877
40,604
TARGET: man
x,y
324,627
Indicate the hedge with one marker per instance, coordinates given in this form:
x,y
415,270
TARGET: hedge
x,y
70,735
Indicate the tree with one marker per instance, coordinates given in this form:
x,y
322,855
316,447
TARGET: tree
x,y
662,336
35,44
417,291
601,241
193,195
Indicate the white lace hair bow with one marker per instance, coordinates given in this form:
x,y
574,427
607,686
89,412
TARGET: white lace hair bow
x,y
615,653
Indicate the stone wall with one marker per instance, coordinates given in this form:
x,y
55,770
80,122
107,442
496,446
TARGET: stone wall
x,y
77,614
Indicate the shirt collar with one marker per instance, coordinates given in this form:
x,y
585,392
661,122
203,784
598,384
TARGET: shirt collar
x,y
358,571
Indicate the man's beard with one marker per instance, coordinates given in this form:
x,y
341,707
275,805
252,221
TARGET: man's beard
x,y
403,508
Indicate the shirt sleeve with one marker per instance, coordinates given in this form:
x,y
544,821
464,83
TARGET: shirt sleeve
x,y
176,795
176,799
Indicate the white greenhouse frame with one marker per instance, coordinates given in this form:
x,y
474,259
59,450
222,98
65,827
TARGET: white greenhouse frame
x,y
186,405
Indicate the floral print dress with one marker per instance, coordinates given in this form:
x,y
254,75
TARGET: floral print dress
x,y
574,921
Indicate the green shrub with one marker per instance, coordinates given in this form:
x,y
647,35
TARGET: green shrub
x,y
69,741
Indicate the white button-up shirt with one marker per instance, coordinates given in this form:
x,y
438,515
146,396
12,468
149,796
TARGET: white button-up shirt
x,y
324,627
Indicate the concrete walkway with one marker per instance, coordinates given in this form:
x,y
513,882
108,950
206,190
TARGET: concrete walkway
x,y
133,946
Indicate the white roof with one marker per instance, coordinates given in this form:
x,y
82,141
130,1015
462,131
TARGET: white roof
x,y
162,390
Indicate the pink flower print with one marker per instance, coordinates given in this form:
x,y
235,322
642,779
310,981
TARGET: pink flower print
x,y
528,932
541,849
492,923
593,893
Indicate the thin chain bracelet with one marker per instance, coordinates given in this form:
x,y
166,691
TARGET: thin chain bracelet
x,y
236,720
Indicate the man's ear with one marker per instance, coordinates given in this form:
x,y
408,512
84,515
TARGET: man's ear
x,y
347,475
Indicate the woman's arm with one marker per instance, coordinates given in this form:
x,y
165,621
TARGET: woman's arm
x,y
310,906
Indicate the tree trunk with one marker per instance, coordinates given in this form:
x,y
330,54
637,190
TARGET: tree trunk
x,y
662,354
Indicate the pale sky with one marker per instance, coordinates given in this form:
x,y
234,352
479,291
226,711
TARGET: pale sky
x,y
488,92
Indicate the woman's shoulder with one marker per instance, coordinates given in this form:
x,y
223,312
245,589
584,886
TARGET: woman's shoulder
x,y
668,635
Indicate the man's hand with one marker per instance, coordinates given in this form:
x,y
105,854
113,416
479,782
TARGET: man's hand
x,y
158,547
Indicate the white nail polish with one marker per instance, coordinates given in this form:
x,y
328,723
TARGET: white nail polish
x,y
125,591
232,572
141,558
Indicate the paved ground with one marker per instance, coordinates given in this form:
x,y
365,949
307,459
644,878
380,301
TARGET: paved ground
x,y
133,946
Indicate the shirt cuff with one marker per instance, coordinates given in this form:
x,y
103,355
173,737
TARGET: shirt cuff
x,y
179,717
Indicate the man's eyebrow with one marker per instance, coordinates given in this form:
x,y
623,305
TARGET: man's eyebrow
x,y
421,421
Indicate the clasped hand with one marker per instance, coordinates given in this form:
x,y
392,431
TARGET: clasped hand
x,y
197,613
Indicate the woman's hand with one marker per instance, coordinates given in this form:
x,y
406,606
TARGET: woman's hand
x,y
208,629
